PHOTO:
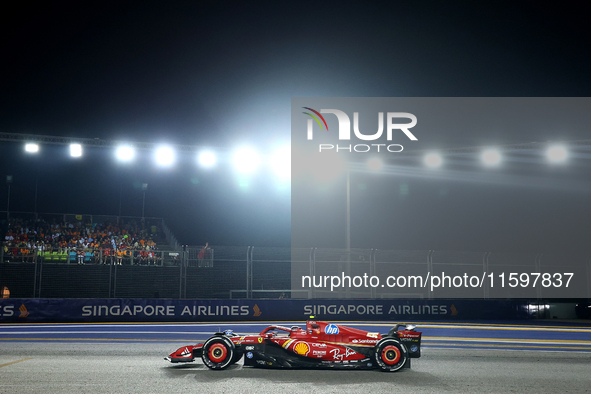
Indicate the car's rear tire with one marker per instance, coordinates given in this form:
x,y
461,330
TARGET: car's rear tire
x,y
390,354
218,352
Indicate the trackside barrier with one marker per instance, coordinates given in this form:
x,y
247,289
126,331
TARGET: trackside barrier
x,y
39,310
267,272
281,294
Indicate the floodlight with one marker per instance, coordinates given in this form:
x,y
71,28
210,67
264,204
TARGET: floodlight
x,y
75,150
246,160
491,157
125,153
207,159
557,153
31,148
433,160
164,156
375,164
281,162
243,183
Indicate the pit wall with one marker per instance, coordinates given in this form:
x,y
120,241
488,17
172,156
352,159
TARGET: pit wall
x,y
28,310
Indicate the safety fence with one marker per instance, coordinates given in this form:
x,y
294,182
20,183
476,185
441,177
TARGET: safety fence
x,y
273,273
188,273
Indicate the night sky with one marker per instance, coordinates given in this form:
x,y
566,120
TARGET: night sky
x,y
223,73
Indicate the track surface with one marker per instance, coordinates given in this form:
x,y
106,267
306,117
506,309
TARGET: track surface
x,y
127,358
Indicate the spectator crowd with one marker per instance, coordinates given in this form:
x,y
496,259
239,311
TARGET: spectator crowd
x,y
97,243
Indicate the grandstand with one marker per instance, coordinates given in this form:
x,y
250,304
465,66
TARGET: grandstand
x,y
82,240
84,256
95,256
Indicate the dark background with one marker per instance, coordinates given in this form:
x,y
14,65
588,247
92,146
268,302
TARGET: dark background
x,y
222,73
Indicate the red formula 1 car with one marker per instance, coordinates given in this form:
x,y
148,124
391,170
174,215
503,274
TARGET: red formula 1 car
x,y
320,345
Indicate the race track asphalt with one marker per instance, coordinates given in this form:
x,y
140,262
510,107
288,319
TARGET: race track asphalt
x,y
126,360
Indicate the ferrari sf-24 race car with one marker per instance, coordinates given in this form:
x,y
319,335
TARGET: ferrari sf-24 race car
x,y
319,345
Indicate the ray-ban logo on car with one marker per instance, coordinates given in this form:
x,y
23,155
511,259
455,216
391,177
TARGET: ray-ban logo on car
x,y
394,123
331,329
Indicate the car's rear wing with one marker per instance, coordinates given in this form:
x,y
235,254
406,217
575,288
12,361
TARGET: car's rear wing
x,y
409,337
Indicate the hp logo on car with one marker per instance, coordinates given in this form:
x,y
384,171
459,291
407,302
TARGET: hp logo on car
x,y
331,329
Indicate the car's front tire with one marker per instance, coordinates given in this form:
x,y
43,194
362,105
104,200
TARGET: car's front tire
x,y
218,352
390,354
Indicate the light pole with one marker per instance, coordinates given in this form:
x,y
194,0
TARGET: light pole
x,y
120,197
348,228
144,188
36,186
373,165
8,182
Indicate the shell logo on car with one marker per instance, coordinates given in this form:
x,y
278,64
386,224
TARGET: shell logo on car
x,y
301,348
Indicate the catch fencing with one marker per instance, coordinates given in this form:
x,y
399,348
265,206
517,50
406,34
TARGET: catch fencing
x,y
220,273
229,272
